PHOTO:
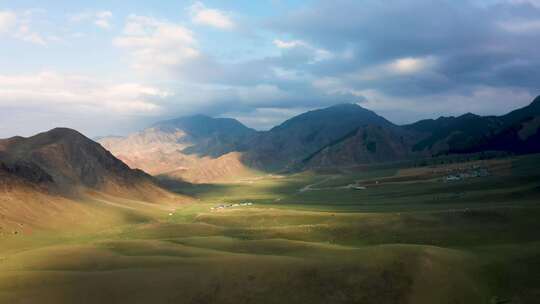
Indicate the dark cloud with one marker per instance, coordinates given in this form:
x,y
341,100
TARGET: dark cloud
x,y
408,59
474,43
403,58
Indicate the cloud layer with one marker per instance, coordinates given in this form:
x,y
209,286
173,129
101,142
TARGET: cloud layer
x,y
404,59
202,15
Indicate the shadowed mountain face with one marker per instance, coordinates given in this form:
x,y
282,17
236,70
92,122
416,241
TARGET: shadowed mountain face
x,y
341,135
520,115
471,133
207,136
183,146
299,137
454,134
367,144
64,160
515,132
521,137
520,132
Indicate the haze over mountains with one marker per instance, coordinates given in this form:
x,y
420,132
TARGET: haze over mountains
x,y
204,149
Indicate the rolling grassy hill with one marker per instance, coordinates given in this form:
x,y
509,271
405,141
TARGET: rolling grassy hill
x,y
408,237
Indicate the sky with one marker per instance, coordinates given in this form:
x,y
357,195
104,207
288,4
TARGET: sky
x,y
114,67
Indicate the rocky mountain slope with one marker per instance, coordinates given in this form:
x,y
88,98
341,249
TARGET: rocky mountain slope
x,y
66,162
226,168
207,136
365,145
294,140
60,179
197,148
176,146
469,132
515,132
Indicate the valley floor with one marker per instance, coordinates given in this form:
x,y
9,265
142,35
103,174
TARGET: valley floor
x,y
386,234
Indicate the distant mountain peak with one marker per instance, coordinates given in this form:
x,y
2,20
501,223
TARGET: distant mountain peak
x,y
62,132
346,106
200,120
337,114
297,138
469,115
67,135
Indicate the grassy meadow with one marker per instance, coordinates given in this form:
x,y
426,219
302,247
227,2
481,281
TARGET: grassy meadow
x,y
386,234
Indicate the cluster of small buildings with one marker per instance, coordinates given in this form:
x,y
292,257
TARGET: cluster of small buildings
x,y
477,172
225,206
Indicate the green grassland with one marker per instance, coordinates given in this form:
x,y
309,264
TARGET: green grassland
x,y
406,238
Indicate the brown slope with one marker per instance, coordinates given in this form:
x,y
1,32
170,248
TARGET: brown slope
x,y
71,159
60,178
26,207
228,167
161,151
64,162
153,150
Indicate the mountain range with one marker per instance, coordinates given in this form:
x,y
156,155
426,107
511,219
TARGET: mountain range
x,y
61,174
205,149
196,148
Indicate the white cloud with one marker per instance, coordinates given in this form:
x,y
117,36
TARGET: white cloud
x,y
289,44
100,19
409,65
289,75
405,66
18,26
202,15
56,91
24,33
157,44
103,19
8,20
318,54
354,83
482,100
336,86
521,26
535,3
321,55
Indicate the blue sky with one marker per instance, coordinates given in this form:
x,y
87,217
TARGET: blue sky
x,y
112,67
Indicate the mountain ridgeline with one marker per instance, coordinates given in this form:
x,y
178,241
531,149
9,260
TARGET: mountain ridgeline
x,y
341,135
299,137
195,148
515,132
208,136
64,161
